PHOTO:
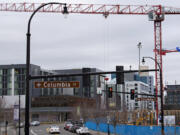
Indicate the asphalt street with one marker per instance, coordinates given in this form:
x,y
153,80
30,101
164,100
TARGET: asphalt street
x,y
35,130
42,130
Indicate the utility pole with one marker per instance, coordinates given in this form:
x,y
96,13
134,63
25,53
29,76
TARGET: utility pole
x,y
139,47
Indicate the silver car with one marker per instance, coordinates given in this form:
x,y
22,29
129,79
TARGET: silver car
x,y
35,123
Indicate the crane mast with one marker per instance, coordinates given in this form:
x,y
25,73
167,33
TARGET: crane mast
x,y
155,12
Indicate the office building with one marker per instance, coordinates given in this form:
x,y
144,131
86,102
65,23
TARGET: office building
x,y
46,103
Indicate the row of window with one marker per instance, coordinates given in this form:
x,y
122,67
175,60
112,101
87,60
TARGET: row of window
x,y
9,92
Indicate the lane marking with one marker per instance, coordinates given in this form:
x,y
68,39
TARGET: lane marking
x,y
33,132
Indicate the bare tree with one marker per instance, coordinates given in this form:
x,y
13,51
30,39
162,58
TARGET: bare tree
x,y
2,111
85,112
123,117
97,115
115,119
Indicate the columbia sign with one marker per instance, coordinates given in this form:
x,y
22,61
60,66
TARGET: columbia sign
x,y
57,84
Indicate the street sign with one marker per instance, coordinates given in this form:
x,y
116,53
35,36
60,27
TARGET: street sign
x,y
145,99
57,84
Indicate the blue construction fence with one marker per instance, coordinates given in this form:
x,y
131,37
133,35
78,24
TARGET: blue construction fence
x,y
132,129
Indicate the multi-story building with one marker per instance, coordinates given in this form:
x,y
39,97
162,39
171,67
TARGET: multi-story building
x,y
13,83
46,100
173,95
139,80
136,103
172,102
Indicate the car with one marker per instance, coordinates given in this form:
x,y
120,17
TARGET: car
x,y
54,130
75,127
35,123
67,125
21,125
83,131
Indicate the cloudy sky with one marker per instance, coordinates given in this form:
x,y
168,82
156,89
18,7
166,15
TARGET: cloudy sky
x,y
89,40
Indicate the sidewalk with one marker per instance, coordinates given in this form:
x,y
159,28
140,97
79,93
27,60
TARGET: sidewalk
x,y
98,132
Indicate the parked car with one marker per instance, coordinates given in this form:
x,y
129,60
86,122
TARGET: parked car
x,y
35,123
21,125
54,129
74,128
67,125
83,131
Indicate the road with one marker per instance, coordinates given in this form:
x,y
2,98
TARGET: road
x,y
42,130
36,130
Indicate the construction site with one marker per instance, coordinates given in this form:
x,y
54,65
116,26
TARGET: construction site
x,y
39,85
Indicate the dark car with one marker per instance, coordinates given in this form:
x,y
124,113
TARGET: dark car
x,y
67,125
75,127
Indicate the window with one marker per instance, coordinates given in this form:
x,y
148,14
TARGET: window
x,y
1,72
57,91
5,71
51,91
45,91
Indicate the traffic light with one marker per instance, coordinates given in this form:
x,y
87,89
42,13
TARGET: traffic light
x,y
120,76
110,91
132,94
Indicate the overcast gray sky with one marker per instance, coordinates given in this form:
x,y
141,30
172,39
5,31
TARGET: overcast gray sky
x,y
89,40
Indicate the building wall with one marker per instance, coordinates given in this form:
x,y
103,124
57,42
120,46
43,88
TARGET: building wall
x,y
13,83
173,95
175,113
10,101
139,87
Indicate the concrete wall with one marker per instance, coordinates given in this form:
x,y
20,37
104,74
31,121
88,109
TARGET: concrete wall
x,y
10,101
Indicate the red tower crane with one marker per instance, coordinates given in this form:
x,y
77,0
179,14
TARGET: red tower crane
x,y
164,51
156,13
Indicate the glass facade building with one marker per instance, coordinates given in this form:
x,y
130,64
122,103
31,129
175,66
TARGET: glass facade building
x,y
13,82
173,95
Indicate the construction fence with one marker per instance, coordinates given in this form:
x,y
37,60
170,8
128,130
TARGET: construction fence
x,y
132,129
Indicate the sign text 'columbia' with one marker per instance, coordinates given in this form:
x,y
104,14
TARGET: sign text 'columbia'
x,y
57,84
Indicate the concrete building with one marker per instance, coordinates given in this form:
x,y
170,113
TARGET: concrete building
x,y
136,104
12,83
172,102
173,95
144,84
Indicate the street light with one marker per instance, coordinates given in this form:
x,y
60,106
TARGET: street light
x,y
28,76
106,79
19,112
161,92
108,120
19,93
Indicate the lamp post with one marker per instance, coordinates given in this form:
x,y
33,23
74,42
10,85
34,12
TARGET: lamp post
x,y
19,112
161,92
28,76
139,47
108,120
107,103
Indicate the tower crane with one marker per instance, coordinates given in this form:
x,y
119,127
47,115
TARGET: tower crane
x,y
156,14
164,51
